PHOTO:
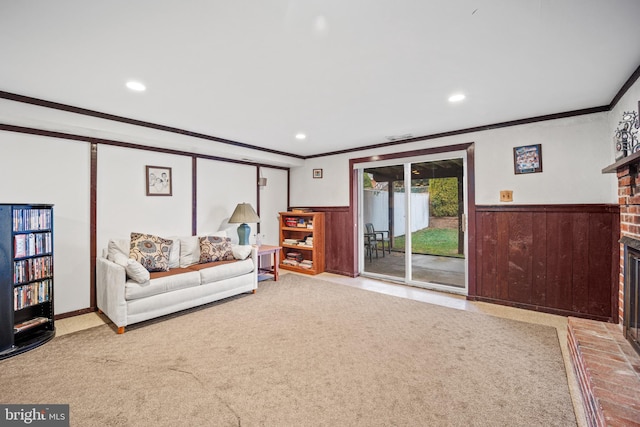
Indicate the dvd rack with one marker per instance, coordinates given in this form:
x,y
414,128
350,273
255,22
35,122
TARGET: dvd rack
x,y
26,277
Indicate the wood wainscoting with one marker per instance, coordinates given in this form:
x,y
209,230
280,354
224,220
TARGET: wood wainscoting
x,y
338,239
561,259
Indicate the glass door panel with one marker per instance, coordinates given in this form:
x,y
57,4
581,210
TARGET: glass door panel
x,y
436,213
382,191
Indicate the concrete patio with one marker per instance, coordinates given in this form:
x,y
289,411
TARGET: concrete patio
x,y
426,268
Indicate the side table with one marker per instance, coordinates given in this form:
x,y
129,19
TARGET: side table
x,y
272,270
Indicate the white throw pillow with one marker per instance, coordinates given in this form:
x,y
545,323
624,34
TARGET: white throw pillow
x,y
189,251
135,271
174,252
116,246
118,258
241,251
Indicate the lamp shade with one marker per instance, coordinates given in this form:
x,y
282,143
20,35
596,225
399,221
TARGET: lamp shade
x,y
244,213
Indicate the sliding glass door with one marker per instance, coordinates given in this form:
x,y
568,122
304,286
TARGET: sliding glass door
x,y
412,220
382,191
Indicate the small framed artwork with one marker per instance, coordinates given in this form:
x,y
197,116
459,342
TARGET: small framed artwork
x,y
527,159
317,173
158,181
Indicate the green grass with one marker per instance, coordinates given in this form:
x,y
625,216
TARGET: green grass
x,y
432,241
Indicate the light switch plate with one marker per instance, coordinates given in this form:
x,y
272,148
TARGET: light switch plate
x,y
506,196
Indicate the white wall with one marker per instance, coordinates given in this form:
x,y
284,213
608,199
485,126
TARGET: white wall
x,y
221,186
36,169
21,114
273,199
123,206
58,171
574,152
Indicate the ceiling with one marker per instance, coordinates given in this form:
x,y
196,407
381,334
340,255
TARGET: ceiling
x,y
345,73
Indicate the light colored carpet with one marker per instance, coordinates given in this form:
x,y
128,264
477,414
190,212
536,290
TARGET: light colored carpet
x,y
303,352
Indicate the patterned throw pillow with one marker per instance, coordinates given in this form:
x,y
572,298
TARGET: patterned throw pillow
x,y
150,251
214,248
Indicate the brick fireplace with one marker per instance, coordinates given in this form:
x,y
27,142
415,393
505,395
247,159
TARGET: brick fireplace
x,y
629,201
606,364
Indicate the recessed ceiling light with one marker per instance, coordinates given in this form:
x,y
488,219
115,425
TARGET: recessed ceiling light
x,y
301,136
457,97
137,86
320,24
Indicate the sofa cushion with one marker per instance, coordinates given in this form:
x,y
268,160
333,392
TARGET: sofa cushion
x,y
221,270
214,248
162,282
150,251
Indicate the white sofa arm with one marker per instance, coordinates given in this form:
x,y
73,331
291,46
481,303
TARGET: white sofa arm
x,y
110,287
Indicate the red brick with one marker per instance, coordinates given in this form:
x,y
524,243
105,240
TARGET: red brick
x,y
607,371
623,171
600,355
619,415
630,398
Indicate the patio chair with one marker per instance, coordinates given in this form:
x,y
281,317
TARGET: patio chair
x,y
378,236
369,246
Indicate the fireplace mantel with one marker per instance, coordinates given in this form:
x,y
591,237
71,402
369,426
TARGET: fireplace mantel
x,y
625,161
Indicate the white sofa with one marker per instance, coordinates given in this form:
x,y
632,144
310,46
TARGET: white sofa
x,y
187,284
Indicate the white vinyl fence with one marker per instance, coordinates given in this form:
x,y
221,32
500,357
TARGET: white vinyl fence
x,y
376,210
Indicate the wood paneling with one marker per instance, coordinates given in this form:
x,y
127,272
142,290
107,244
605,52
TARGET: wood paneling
x,y
339,256
553,258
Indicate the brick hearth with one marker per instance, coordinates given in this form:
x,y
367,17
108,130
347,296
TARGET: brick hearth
x,y
608,370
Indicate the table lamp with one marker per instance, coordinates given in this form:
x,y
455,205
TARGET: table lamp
x,y
243,214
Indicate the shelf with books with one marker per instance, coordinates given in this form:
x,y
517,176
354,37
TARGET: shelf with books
x,y
32,243
26,277
302,241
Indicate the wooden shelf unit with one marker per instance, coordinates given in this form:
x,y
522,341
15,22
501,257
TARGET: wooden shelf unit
x,y
26,277
313,253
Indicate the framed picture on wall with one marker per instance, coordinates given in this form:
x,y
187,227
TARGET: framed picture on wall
x,y
317,173
527,159
158,181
